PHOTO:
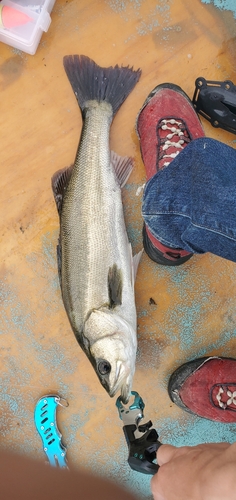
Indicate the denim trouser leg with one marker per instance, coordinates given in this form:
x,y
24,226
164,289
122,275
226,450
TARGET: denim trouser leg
x,y
191,203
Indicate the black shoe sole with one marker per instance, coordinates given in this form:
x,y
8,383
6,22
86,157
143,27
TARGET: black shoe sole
x,y
157,256
177,379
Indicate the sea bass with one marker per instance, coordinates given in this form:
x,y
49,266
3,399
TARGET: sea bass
x,y
95,262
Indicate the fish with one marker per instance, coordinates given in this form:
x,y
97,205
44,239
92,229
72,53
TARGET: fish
x,y
95,263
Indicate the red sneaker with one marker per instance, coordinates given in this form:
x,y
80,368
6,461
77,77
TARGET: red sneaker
x,y
206,387
166,123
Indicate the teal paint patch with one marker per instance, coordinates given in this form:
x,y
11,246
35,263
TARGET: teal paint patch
x,y
15,420
134,234
20,323
146,23
122,5
223,5
46,260
142,313
193,430
154,349
156,17
54,357
145,27
220,344
12,403
74,424
14,315
184,316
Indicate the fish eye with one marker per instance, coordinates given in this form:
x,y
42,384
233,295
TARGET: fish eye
x,y
104,367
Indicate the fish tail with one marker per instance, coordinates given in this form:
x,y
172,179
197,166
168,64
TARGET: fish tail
x,y
92,82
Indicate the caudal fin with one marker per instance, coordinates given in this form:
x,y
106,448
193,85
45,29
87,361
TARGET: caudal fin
x,y
92,82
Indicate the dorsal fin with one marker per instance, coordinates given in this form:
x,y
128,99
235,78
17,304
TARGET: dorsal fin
x,y
114,286
60,182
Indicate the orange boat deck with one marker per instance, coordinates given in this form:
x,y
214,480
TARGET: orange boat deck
x,y
192,311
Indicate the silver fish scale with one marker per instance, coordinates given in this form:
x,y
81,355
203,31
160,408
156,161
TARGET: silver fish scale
x,y
93,233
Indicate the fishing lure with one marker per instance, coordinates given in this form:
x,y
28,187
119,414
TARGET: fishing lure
x,y
46,425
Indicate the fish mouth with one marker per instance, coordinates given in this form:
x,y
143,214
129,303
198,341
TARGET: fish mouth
x,y
121,383
125,393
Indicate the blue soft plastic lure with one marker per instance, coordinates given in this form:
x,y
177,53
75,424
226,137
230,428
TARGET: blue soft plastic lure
x,y
45,421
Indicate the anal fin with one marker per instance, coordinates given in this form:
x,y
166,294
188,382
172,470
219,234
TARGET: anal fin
x,y
59,259
123,166
60,182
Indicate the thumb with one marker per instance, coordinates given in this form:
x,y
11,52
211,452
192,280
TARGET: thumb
x,y
165,453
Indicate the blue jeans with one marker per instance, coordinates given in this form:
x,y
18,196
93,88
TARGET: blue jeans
x,y
191,203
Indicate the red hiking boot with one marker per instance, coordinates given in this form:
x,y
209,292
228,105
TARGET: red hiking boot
x,y
206,387
166,123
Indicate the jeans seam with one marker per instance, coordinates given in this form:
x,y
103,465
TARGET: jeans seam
x,y
194,224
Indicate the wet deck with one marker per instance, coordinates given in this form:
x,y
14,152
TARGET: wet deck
x,y
193,308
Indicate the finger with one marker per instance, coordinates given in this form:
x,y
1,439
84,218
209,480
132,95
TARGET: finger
x,y
216,446
165,453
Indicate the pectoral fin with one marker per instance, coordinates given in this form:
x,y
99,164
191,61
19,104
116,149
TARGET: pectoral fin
x,y
114,286
134,263
60,182
136,260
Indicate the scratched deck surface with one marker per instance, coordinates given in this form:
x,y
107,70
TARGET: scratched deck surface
x,y
193,308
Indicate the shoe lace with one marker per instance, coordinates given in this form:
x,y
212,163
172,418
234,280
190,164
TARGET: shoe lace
x,y
231,395
177,139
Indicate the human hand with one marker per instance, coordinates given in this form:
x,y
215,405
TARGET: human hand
x,y
202,472
25,479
